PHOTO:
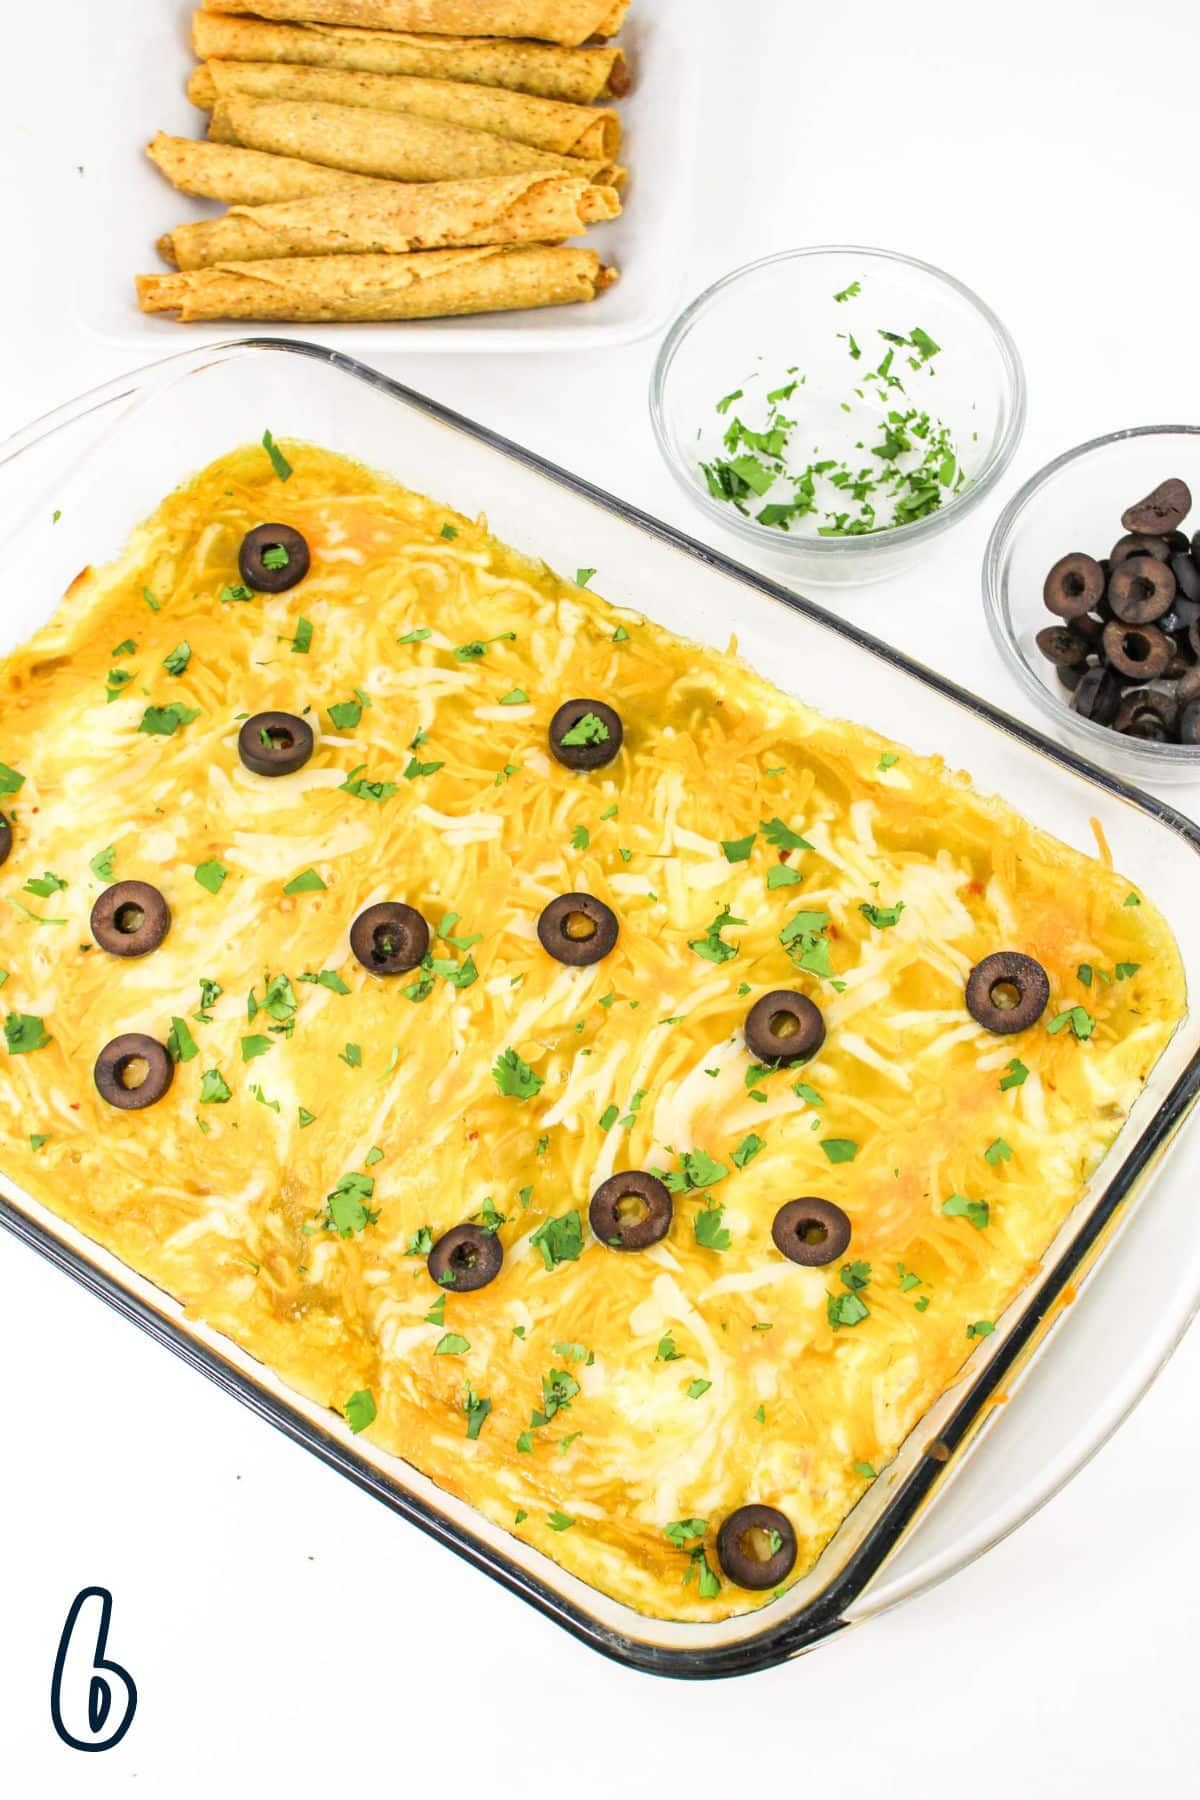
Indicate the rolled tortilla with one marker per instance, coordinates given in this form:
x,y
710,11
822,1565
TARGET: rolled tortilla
x,y
558,21
586,131
398,146
245,177
394,218
433,284
596,73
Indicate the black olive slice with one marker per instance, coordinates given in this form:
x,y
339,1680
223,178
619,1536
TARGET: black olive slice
x,y
1098,696
1074,585
811,1231
1142,651
275,743
585,734
1187,575
273,558
1071,674
1137,543
756,1546
631,1211
465,1258
1141,589
784,1027
6,838
1189,723
578,929
133,1071
130,919
1007,992
1164,509
1147,713
1089,627
1062,645
390,938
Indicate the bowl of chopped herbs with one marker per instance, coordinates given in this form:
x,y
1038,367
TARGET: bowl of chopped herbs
x,y
837,407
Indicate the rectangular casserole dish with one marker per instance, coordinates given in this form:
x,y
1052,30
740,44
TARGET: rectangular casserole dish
x,y
192,408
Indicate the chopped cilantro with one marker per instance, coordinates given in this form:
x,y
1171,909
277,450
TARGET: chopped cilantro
x,y
346,1209
1015,1075
214,1089
514,1077
24,1032
697,1389
881,916
747,1150
738,849
302,642
666,1351
360,1409
559,1521
254,1046
981,1328
959,1207
279,461
709,1227
782,837
164,721
849,293
997,1152
559,1240
180,1042
712,946
307,883
178,660
451,1344
514,697
839,1150
588,729
477,1410
1078,1018
357,784
583,576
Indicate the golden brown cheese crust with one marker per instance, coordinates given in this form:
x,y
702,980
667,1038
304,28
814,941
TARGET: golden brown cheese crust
x,y
696,1378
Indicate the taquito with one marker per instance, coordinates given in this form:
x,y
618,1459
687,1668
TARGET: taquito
x,y
433,284
394,218
399,146
245,177
558,21
586,131
594,73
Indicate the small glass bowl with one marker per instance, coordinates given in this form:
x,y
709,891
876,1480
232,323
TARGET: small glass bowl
x,y
781,314
1075,503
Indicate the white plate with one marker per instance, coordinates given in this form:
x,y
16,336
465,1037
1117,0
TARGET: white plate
x,y
141,57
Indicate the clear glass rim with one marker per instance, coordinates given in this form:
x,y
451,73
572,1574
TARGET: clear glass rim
x,y
1135,752
873,543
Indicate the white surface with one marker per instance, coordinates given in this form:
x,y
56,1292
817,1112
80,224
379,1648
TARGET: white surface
x,y
1063,1663
141,91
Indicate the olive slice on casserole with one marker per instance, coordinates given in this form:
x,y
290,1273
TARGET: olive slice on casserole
x,y
390,938
585,734
275,743
1007,992
631,1211
273,558
811,1232
130,918
6,838
784,1027
756,1546
133,1071
578,929
465,1258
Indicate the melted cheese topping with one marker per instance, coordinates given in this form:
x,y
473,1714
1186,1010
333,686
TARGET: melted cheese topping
x,y
700,1378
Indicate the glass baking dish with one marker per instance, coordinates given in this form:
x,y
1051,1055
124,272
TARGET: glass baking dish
x,y
147,432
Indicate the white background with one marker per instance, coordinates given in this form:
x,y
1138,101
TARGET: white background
x,y
287,1633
